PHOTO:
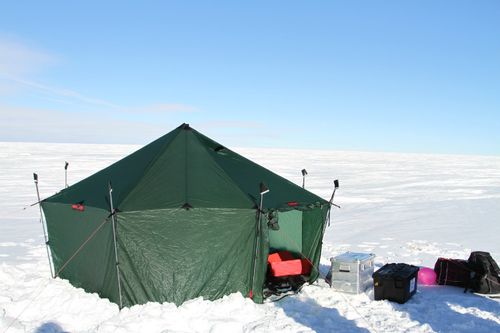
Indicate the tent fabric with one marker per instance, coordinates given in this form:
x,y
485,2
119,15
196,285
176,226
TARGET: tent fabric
x,y
187,223
93,268
124,175
245,173
211,251
289,235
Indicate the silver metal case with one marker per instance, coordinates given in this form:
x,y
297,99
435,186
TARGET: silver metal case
x,y
352,272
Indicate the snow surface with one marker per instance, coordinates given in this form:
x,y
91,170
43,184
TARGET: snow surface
x,y
408,208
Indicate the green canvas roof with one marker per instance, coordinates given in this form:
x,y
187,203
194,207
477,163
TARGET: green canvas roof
x,y
184,168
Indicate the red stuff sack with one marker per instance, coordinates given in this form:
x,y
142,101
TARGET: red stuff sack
x,y
280,256
452,272
283,263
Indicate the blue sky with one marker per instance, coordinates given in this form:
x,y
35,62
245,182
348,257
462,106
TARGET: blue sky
x,y
405,76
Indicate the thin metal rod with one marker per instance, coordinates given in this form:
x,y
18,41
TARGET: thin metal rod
x,y
331,204
114,240
257,239
45,236
304,174
66,174
333,195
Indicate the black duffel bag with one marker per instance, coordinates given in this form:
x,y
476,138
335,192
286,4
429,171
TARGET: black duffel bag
x,y
485,278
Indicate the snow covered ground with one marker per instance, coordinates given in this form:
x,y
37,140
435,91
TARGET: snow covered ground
x,y
403,207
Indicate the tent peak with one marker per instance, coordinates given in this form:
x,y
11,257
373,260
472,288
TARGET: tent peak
x,y
185,126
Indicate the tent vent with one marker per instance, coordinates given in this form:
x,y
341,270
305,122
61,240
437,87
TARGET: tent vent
x,y
186,127
187,206
219,148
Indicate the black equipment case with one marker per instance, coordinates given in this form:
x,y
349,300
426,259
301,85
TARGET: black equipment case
x,y
395,282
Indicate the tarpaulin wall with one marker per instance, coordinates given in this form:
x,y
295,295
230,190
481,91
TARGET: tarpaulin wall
x,y
173,255
93,266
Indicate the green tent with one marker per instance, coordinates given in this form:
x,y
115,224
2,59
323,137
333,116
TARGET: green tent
x,y
186,224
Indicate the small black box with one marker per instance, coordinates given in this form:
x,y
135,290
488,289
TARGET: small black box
x,y
395,282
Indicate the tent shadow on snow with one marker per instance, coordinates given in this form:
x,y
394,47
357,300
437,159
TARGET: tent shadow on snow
x,y
318,318
50,327
434,306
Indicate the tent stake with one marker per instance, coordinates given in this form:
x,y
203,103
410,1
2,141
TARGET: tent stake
x,y
113,222
45,236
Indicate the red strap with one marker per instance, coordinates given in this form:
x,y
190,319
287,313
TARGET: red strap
x,y
78,207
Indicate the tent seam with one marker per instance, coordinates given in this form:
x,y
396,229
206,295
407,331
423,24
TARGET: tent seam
x,y
147,169
258,166
223,170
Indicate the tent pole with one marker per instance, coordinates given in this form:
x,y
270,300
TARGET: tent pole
x,y
330,203
66,174
113,221
263,190
45,236
304,174
335,187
